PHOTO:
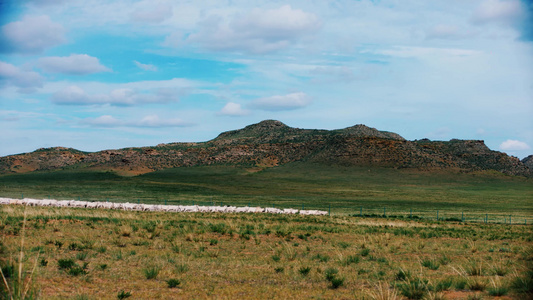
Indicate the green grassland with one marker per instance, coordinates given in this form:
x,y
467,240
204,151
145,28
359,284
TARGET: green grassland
x,y
345,190
69,253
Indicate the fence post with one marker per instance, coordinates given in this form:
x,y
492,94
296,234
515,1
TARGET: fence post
x,y
411,213
22,196
384,212
462,216
78,198
107,200
329,210
165,201
510,220
302,206
486,218
138,201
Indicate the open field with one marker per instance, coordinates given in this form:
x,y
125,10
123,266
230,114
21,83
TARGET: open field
x,y
343,190
107,254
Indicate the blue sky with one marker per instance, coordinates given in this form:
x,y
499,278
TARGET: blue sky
x,y
97,75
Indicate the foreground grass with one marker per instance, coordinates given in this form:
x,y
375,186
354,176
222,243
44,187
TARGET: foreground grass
x,y
344,190
95,254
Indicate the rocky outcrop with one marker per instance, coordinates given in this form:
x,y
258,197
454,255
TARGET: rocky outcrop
x,y
528,162
270,143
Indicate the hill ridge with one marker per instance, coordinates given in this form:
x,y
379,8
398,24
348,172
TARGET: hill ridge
x,y
271,143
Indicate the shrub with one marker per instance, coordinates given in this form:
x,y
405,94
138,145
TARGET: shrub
x,y
64,264
365,252
304,270
351,259
498,291
444,284
81,256
523,284
344,245
415,289
44,262
276,258
321,257
123,295
430,264
182,268
172,283
460,284
151,272
476,285
218,228
75,246
499,270
77,270
474,269
444,260
336,282
279,269
403,275
330,273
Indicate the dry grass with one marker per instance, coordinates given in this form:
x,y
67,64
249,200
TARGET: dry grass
x,y
231,255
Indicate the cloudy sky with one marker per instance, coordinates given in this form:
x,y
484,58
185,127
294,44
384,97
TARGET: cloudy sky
x,y
102,74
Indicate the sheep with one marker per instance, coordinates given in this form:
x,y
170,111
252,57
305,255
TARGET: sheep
x,y
150,207
290,211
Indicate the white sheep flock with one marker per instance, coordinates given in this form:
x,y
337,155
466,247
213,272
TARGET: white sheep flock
x,y
155,207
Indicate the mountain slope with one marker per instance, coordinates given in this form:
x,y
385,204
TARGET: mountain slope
x,y
271,143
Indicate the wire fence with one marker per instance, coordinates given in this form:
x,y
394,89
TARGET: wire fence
x,y
334,209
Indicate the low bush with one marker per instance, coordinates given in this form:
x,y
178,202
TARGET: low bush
x,y
172,283
151,272
304,270
123,295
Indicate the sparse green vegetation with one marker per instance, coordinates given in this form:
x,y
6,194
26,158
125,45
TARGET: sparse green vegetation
x,y
404,193
312,257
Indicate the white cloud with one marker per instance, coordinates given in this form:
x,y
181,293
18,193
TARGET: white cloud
x,y
150,121
332,74
75,64
146,67
33,34
517,14
282,102
405,51
260,31
74,95
103,121
155,121
498,11
515,145
26,81
150,12
233,109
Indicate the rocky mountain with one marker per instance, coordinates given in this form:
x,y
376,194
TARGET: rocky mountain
x,y
271,143
528,161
